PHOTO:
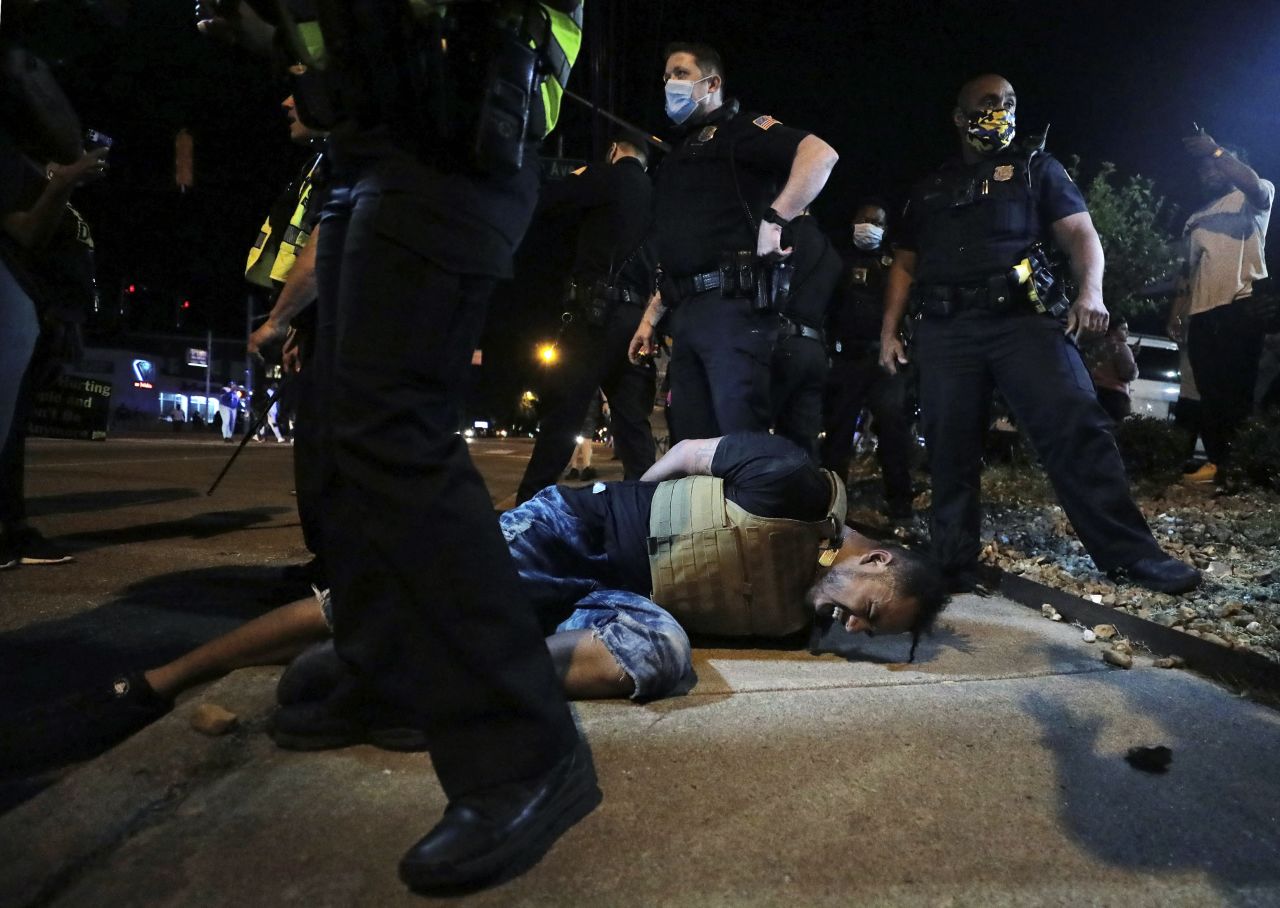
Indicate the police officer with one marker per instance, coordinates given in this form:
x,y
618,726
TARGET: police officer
x,y
432,110
802,289
966,244
856,379
722,198
283,260
606,296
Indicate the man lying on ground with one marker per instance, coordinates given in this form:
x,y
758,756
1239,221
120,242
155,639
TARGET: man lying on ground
x,y
739,536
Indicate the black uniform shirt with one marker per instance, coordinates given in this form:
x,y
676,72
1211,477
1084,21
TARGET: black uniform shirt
x,y
609,204
859,309
967,222
816,271
697,210
764,474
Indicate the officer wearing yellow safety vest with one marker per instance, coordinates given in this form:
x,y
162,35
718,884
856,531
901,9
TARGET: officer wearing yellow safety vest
x,y
283,260
434,111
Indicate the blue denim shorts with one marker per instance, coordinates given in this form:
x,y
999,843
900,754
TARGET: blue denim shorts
x,y
567,576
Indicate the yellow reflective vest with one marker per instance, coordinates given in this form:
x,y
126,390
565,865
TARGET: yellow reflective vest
x,y
268,266
719,569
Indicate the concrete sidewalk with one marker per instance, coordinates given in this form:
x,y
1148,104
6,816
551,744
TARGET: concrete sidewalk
x,y
988,773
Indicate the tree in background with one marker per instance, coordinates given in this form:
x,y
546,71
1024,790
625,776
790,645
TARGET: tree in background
x,y
1140,251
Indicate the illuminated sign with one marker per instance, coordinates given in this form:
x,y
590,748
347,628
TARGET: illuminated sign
x,y
198,357
144,370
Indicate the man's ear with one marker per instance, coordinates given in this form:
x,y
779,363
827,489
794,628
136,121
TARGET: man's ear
x,y
958,118
876,556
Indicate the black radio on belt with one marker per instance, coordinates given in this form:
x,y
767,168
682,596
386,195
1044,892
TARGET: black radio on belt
x,y
594,302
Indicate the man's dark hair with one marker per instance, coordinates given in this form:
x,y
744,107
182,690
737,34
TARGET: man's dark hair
x,y
707,57
919,577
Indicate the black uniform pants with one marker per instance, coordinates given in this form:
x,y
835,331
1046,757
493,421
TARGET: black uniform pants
x,y
13,458
428,608
856,380
594,358
308,454
799,371
719,373
1041,376
1224,345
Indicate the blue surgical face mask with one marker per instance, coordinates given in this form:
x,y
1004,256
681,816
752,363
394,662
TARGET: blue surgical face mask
x,y
680,101
867,236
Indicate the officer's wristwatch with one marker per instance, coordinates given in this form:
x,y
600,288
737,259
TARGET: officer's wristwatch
x,y
773,217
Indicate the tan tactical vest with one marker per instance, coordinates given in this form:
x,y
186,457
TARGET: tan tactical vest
x,y
721,570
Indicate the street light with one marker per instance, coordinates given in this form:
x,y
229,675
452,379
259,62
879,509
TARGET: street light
x,y
548,354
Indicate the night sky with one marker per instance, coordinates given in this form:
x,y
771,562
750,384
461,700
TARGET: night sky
x,y
1119,81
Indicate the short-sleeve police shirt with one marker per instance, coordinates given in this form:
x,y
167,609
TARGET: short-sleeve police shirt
x,y
966,222
697,209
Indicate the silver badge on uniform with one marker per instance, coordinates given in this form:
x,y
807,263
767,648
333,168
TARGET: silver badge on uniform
x,y
860,276
1003,173
708,132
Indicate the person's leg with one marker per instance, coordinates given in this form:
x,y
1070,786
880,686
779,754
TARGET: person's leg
x,y
691,414
224,413
631,390
955,401
566,397
427,605
1241,380
846,393
738,355
307,456
1213,353
620,644
19,329
887,399
1049,391
799,374
269,639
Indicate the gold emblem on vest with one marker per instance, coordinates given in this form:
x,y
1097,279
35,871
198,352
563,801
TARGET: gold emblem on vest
x,y
1003,173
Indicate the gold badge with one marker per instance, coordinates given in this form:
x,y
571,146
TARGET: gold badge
x,y
1003,173
707,134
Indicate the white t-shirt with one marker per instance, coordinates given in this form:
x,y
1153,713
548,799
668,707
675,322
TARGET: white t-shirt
x,y
1227,240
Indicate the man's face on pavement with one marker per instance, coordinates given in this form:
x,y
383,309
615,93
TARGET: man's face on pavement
x,y
864,585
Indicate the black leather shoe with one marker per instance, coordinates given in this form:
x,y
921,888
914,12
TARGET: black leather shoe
x,y
1160,573
498,834
313,675
347,717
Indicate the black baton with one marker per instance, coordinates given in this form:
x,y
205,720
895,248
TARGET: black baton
x,y
258,419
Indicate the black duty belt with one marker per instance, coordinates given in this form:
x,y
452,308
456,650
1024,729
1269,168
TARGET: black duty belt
x,y
791,328
693,284
945,300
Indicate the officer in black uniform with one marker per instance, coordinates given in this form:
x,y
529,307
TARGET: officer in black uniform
x,y
967,245
802,288
283,260
606,295
723,196
432,110
856,379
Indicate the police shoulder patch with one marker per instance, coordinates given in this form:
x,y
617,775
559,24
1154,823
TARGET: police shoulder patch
x,y
766,122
